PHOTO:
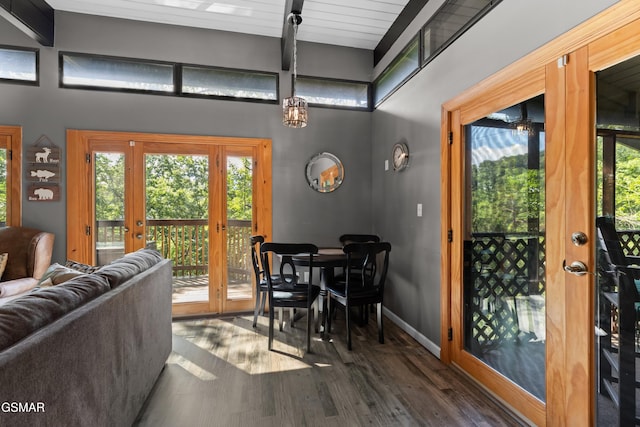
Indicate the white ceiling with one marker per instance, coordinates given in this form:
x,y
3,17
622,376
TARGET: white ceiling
x,y
354,23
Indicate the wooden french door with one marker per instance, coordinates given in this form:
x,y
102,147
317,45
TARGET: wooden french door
x,y
196,199
493,273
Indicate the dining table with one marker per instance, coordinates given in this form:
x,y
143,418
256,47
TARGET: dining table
x,y
327,259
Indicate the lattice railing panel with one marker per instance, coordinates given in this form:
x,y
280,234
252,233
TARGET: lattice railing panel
x,y
501,269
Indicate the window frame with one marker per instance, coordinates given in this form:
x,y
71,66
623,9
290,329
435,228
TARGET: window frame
x,y
224,97
393,63
369,85
424,60
36,51
63,85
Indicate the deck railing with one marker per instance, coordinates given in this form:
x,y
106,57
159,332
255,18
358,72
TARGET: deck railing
x,y
186,243
500,269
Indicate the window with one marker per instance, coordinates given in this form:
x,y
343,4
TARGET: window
x,y
110,73
334,93
403,67
450,22
229,83
19,65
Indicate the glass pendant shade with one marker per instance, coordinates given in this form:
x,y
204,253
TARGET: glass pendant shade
x,y
294,112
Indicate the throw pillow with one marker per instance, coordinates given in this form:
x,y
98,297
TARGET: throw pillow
x,y
57,274
3,262
85,268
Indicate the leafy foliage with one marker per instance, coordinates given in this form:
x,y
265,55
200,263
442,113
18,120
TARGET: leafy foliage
x,y
507,197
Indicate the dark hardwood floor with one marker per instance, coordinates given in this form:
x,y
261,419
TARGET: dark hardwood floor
x,y
221,374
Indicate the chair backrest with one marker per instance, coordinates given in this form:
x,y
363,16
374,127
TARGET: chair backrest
x,y
287,252
371,261
612,259
345,239
255,257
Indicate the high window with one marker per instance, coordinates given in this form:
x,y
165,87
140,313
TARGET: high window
x,y
19,65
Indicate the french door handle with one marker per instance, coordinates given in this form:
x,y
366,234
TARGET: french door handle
x,y
576,267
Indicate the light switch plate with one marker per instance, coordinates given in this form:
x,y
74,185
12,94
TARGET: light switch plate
x,y
419,209
386,165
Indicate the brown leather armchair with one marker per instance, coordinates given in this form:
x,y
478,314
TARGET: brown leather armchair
x,y
29,257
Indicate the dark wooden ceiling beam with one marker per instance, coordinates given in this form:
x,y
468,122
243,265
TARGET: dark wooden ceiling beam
x,y
401,23
286,45
34,17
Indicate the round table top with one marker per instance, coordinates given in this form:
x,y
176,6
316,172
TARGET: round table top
x,y
326,257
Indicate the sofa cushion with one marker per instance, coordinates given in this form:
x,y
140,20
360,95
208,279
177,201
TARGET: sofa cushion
x,y
22,316
57,274
123,269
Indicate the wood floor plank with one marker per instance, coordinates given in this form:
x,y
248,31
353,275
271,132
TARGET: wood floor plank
x,y
220,373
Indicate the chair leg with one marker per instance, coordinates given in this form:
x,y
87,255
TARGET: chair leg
x,y
263,303
380,330
261,300
271,320
281,317
347,311
326,314
316,314
308,329
256,311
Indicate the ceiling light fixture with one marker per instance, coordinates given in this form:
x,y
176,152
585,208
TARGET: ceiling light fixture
x,y
294,108
524,125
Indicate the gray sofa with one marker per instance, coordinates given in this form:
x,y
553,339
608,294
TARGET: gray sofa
x,y
86,352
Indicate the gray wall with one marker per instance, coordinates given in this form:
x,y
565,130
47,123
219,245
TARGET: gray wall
x,y
362,140
299,214
512,30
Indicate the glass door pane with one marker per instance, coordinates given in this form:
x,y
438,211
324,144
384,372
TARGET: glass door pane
x,y
239,219
177,212
618,201
504,252
109,206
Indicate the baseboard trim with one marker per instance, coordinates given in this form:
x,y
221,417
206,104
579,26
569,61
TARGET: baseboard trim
x,y
413,333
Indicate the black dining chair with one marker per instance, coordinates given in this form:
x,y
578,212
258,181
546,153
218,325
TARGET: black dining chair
x,y
371,261
261,283
345,239
291,292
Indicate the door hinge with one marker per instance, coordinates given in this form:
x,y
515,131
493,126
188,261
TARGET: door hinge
x,y
10,154
255,227
87,230
450,138
217,161
87,158
450,334
450,236
563,61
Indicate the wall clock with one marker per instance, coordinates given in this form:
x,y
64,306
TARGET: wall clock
x,y
400,156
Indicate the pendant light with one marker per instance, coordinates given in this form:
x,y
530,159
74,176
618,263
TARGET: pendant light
x,y
294,108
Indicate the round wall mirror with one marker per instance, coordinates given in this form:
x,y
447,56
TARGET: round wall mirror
x,y
325,172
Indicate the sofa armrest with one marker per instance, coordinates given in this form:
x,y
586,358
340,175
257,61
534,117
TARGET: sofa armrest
x,y
17,286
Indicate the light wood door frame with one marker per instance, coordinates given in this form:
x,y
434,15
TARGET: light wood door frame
x,y
80,204
609,38
11,140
